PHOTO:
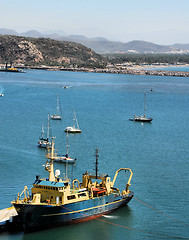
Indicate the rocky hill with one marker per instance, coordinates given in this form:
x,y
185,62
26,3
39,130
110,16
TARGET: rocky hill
x,y
102,45
46,51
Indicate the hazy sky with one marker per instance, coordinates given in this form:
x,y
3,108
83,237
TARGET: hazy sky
x,y
161,22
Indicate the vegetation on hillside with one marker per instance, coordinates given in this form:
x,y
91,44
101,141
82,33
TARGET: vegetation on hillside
x,y
45,51
140,59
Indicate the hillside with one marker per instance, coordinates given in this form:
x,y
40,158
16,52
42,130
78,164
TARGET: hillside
x,y
102,45
45,51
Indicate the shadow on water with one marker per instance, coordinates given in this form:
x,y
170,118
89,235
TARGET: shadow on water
x,y
102,228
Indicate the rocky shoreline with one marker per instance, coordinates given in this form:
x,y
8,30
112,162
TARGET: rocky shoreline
x,y
116,71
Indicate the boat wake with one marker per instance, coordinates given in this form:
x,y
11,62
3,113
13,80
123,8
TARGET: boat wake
x,y
1,89
109,216
28,152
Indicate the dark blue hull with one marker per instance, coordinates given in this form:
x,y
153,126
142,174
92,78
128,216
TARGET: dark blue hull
x,y
34,217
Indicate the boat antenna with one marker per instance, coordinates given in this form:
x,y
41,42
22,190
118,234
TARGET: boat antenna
x,y
96,163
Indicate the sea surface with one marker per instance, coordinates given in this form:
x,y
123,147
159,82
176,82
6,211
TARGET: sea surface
x,y
157,152
171,68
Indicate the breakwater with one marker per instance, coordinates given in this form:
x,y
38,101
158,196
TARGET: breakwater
x,y
131,72
114,71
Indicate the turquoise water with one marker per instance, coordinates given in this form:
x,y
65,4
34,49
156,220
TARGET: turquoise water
x,y
177,68
157,152
172,68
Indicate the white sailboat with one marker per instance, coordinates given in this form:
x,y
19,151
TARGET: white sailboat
x,y
44,142
74,129
58,115
142,118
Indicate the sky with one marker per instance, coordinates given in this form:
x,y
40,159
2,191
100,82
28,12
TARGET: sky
x,y
162,22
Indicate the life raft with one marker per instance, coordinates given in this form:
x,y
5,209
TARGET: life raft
x,y
98,191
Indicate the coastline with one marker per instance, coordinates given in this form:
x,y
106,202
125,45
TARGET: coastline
x,y
130,70
158,66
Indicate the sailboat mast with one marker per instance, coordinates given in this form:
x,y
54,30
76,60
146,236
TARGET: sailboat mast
x,y
67,145
42,132
76,120
145,105
57,107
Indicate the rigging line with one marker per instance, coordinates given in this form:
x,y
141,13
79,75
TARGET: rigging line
x,y
160,211
143,231
134,229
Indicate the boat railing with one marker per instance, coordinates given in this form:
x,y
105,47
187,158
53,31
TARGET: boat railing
x,y
128,183
115,190
73,184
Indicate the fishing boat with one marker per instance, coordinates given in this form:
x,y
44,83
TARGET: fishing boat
x,y
12,70
142,118
44,142
9,68
73,129
58,115
55,201
62,158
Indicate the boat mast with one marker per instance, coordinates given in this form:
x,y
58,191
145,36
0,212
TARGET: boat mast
x,y
60,108
96,163
57,107
73,119
67,146
42,132
76,120
66,161
49,165
48,128
145,105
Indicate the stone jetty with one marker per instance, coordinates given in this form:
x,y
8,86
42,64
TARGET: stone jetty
x,y
131,72
114,71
